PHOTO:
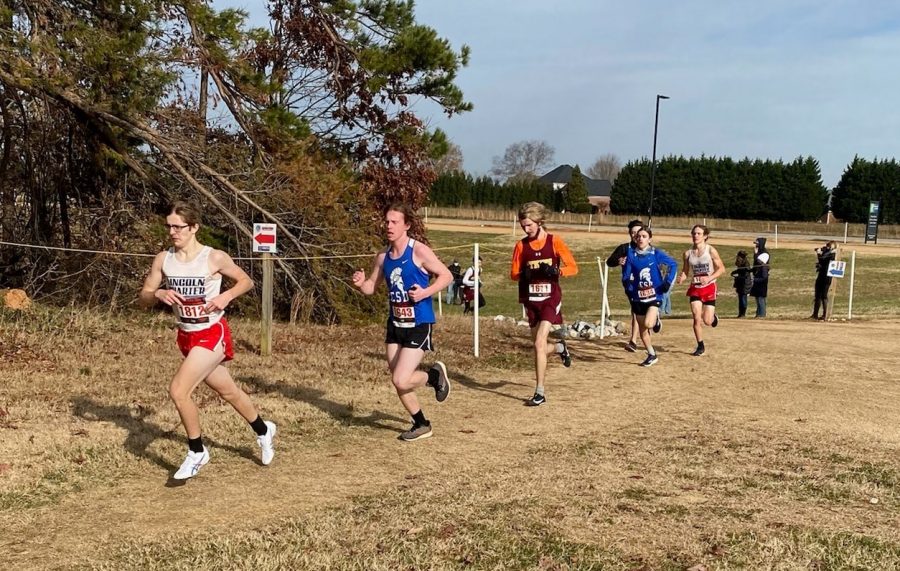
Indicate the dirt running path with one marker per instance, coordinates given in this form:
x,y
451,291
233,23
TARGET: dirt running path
x,y
769,372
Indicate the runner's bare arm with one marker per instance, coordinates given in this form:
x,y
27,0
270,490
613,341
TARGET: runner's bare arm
x,y
150,292
367,286
683,275
718,266
220,262
425,257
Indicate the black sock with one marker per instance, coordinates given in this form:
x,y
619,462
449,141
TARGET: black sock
x,y
258,426
419,419
433,376
195,444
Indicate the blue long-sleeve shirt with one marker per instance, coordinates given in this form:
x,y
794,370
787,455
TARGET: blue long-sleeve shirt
x,y
642,275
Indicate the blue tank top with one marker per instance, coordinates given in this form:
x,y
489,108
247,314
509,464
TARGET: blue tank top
x,y
401,274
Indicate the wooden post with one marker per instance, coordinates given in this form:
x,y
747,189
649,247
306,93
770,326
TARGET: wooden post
x,y
265,344
832,291
590,222
846,225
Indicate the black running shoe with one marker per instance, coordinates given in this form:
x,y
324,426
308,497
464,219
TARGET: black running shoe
x,y
565,355
715,320
442,387
658,327
416,432
536,400
650,361
631,347
698,351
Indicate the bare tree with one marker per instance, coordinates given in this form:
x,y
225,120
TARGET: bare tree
x,y
451,161
523,160
607,167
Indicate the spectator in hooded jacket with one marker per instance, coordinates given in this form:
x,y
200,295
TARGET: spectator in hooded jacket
x,y
760,289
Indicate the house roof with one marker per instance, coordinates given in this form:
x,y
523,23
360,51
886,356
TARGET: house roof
x,y
563,174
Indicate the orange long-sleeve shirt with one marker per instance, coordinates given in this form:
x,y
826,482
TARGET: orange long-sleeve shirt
x,y
567,268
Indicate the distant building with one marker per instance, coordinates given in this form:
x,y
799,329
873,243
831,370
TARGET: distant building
x,y
598,190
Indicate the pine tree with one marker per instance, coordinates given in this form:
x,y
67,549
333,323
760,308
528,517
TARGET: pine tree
x,y
576,195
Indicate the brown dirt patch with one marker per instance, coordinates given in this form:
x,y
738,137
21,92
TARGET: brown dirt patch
x,y
736,432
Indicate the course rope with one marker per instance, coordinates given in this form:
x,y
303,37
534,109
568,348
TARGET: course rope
x,y
253,258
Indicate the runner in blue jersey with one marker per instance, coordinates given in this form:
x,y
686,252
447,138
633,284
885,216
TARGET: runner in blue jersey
x,y
407,266
644,282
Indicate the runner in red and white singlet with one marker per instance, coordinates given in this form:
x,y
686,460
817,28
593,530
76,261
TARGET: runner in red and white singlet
x,y
705,266
193,275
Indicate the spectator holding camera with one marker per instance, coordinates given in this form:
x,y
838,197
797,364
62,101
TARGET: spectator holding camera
x,y
539,260
824,256
645,285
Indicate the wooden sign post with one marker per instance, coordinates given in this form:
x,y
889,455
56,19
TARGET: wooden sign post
x,y
832,290
265,242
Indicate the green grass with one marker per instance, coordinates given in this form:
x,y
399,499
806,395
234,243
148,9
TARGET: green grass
x,y
790,282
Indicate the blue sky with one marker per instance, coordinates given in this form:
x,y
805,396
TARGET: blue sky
x,y
765,79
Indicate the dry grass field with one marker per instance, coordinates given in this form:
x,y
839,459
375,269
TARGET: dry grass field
x,y
779,449
776,450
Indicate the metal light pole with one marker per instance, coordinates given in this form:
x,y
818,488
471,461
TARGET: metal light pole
x,y
653,168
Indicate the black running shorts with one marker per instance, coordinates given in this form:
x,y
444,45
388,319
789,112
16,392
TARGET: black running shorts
x,y
418,337
640,308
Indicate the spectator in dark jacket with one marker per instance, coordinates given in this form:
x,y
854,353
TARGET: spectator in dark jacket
x,y
760,289
743,281
823,281
453,290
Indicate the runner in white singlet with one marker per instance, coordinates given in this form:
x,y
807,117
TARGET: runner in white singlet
x,y
705,266
193,278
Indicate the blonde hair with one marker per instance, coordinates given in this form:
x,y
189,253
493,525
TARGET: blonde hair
x,y
534,211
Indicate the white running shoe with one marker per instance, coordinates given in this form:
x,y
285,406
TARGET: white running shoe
x,y
192,464
267,443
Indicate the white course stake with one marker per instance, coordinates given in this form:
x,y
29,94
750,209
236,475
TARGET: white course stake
x,y
604,300
852,273
475,301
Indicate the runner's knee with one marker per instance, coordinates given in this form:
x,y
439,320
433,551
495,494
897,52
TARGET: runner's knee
x,y
179,390
401,380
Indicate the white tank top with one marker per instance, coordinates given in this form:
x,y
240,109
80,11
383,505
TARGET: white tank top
x,y
194,283
701,266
